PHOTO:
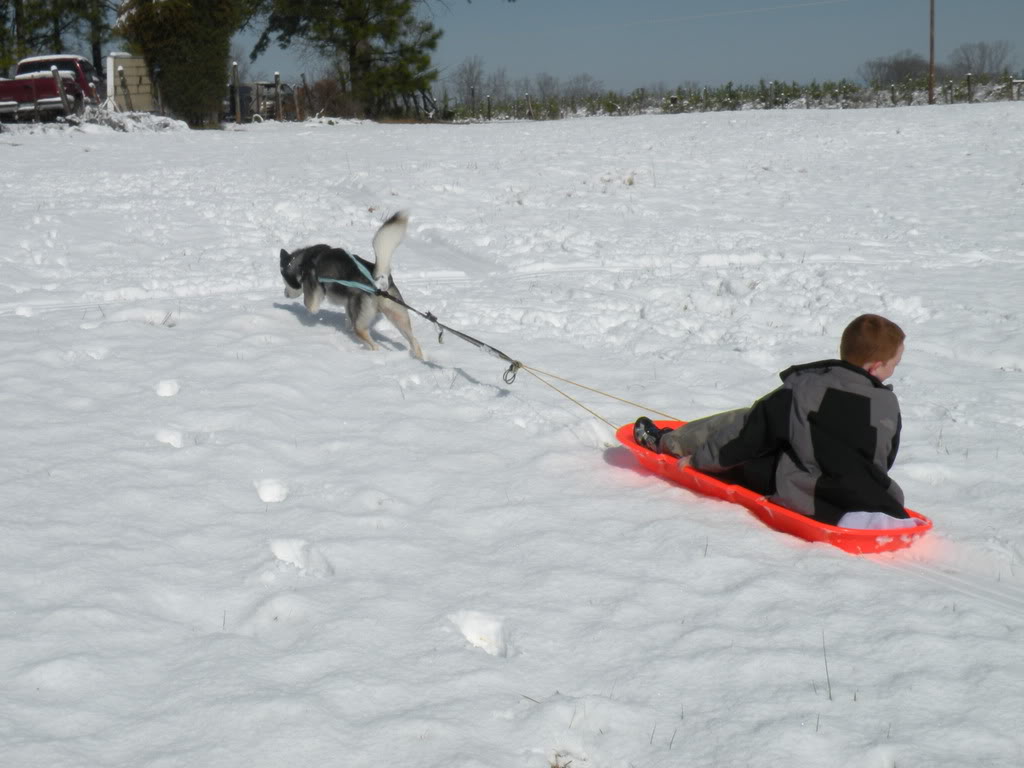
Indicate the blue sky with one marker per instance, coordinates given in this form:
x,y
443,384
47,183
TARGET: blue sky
x,y
627,44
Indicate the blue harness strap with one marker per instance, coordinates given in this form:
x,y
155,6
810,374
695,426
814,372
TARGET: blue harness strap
x,y
371,288
350,284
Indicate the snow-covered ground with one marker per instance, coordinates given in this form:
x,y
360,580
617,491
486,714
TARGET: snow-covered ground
x,y
232,536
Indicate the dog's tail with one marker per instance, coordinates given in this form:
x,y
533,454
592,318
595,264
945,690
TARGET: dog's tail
x,y
386,240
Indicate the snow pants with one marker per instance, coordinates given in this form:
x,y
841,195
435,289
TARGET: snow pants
x,y
688,438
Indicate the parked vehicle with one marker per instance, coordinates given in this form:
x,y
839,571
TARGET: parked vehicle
x,y
33,93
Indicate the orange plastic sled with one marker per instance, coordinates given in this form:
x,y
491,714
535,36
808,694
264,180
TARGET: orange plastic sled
x,y
853,540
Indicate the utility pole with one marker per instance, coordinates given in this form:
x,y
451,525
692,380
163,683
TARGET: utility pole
x,y
931,56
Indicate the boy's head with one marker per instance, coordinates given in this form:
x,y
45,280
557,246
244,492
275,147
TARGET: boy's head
x,y
874,343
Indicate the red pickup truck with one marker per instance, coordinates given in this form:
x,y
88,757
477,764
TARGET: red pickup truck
x,y
33,93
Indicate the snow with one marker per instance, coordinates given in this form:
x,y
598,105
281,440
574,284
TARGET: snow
x,y
232,536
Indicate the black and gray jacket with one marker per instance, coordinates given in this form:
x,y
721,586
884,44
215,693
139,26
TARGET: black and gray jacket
x,y
821,444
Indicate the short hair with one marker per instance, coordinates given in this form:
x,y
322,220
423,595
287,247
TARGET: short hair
x,y
869,339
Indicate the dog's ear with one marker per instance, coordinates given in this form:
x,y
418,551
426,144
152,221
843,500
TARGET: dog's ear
x,y
285,258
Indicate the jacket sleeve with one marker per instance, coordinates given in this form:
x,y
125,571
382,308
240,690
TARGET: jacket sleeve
x,y
765,432
894,489
895,445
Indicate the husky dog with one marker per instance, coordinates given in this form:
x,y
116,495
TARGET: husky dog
x,y
303,270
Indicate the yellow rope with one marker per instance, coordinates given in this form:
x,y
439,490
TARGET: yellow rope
x,y
569,397
515,365
535,371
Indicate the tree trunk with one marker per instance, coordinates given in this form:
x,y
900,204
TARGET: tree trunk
x,y
56,44
95,22
20,35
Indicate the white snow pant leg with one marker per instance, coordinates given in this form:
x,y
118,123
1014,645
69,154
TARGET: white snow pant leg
x,y
875,521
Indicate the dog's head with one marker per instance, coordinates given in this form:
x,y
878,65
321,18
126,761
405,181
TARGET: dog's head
x,y
291,271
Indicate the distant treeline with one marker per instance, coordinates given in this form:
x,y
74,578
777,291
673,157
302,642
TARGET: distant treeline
x,y
843,94
973,72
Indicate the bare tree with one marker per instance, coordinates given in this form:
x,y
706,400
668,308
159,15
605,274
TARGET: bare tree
x,y
497,86
981,58
467,81
894,69
581,87
658,89
521,87
548,88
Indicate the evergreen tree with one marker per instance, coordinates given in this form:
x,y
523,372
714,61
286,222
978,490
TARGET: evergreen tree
x,y
95,27
188,43
25,32
6,37
381,48
29,27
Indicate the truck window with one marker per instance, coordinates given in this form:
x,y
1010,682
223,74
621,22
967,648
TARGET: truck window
x,y
90,72
65,65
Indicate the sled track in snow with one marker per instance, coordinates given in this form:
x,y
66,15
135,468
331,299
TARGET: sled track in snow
x,y
1007,598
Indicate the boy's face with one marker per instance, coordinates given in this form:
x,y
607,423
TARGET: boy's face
x,y
883,371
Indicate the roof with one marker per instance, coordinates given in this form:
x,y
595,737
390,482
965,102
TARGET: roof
x,y
53,56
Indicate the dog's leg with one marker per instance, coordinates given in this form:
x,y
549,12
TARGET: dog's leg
x,y
399,318
312,295
364,334
361,311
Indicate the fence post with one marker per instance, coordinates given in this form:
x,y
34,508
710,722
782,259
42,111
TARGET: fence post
x,y
156,91
305,96
124,89
970,89
55,73
35,99
488,106
238,92
278,115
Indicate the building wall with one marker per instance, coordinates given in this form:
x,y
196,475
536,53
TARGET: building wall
x,y
140,87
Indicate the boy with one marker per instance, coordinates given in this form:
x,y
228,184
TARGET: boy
x,y
821,444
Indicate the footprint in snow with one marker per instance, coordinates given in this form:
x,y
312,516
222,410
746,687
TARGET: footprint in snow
x,y
171,437
168,388
279,620
484,631
271,491
300,554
